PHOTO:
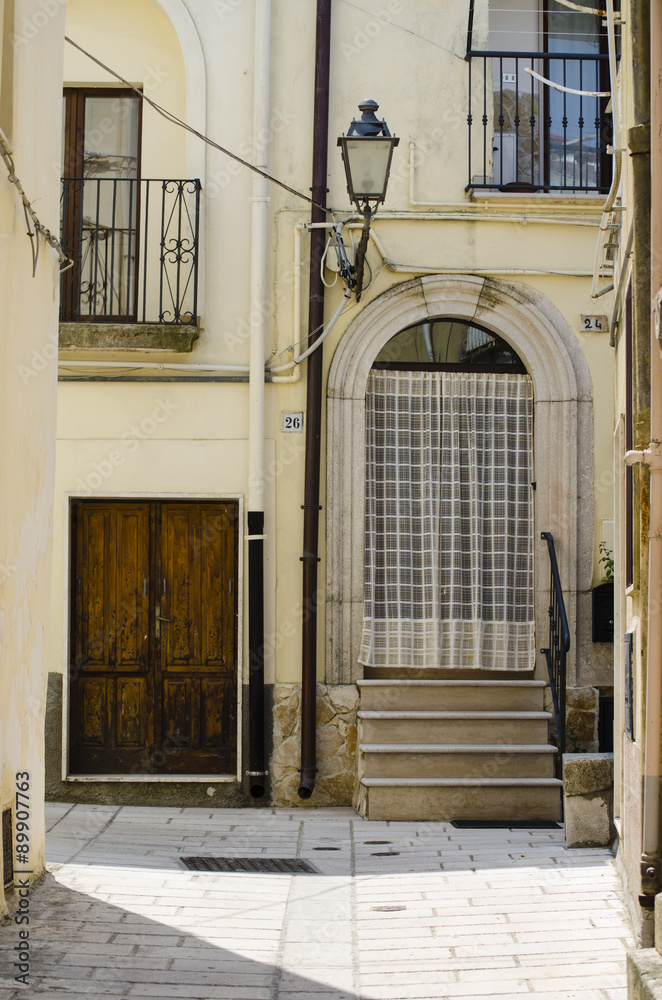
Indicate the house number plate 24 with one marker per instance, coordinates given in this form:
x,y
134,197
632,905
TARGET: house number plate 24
x,y
293,423
595,324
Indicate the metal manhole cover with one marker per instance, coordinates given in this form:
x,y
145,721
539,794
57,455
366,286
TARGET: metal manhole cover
x,y
250,865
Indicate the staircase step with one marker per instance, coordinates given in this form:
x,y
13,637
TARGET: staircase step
x,y
468,798
455,727
406,760
382,695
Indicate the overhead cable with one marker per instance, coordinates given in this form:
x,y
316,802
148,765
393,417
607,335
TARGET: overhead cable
x,y
169,116
30,215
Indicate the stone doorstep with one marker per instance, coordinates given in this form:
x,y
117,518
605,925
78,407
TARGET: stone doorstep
x,y
457,760
447,799
404,682
457,748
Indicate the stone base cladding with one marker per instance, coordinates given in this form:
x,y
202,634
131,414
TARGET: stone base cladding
x,y
336,745
583,711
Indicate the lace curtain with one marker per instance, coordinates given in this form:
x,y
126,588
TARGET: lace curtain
x,y
449,521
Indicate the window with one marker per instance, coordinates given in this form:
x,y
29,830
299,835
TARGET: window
x,y
100,203
524,133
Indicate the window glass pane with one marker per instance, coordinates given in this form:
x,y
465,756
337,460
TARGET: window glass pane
x,y
448,341
111,137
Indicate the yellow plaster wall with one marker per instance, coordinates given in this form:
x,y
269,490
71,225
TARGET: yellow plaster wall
x,y
203,445
27,406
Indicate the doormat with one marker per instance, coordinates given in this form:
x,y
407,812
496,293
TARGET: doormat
x,y
505,824
290,866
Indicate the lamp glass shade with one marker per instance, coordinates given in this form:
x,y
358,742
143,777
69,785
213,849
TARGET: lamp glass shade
x,y
367,164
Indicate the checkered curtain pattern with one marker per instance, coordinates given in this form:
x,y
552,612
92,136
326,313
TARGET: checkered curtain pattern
x,y
449,521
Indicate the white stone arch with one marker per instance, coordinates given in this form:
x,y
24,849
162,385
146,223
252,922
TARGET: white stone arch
x,y
196,82
563,442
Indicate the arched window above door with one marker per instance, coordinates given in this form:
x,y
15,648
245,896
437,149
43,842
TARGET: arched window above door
x,y
451,345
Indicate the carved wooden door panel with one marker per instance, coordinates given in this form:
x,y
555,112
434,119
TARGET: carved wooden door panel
x,y
154,638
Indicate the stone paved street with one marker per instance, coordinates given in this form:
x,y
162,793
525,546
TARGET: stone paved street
x,y
398,910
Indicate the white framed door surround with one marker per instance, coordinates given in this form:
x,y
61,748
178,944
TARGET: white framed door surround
x,y
563,443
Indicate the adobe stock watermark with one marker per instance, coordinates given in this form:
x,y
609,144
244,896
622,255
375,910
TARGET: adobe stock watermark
x,y
31,26
131,440
223,7
250,150
363,36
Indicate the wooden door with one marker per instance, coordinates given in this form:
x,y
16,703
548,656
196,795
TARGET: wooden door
x,y
154,637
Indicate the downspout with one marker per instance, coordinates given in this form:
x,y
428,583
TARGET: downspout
x,y
310,556
651,881
255,518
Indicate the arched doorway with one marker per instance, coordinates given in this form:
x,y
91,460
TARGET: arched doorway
x,y
449,504
529,323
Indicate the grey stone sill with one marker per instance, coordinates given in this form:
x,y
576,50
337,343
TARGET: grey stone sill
x,y
550,198
135,337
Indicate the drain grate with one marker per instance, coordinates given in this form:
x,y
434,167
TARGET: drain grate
x,y
7,851
289,866
384,854
326,848
505,824
376,841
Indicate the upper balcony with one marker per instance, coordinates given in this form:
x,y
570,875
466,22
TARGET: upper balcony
x,y
135,247
539,116
527,136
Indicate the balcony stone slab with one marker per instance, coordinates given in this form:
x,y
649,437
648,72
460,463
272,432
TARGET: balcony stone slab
x,y
145,338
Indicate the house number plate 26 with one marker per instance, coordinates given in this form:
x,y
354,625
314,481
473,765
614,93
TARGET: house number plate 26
x,y
293,423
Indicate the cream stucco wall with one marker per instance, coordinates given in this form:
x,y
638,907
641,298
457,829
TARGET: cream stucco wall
x,y
31,91
201,448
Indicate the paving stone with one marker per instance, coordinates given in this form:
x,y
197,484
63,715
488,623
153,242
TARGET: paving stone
x,y
510,912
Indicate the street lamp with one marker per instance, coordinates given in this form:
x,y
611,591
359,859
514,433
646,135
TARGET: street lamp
x,y
366,151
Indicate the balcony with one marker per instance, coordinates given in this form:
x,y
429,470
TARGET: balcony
x,y
135,247
527,136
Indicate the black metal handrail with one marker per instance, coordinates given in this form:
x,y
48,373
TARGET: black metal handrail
x,y
135,246
531,136
559,641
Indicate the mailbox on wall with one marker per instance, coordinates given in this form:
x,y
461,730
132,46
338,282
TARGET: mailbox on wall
x,y
603,613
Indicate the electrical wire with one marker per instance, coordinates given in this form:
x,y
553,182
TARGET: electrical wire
x,y
174,120
30,215
327,284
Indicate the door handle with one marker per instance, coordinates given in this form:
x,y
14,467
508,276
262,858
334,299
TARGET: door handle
x,y
158,618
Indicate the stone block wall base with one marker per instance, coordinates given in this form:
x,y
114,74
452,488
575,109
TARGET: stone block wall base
x,y
644,974
588,799
336,746
581,727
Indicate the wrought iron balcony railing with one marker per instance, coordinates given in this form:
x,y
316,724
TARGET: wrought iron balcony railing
x,y
135,247
524,134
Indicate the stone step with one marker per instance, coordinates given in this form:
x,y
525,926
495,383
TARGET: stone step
x,y
405,760
383,695
460,728
470,798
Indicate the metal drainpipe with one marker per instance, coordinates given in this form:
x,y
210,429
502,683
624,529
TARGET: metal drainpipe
x,y
311,507
255,521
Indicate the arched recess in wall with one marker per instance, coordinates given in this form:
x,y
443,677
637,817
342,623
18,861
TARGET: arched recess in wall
x,y
196,85
563,442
